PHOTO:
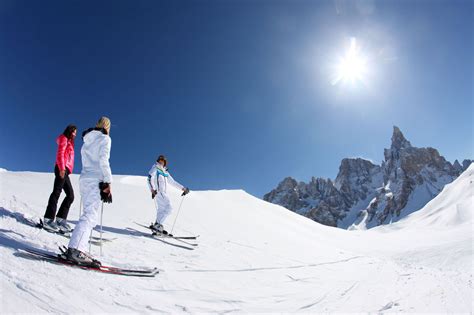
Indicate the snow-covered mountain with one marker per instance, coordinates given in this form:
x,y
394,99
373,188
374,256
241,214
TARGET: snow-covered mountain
x,y
365,195
253,256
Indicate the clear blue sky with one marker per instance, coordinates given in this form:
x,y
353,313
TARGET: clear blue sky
x,y
237,94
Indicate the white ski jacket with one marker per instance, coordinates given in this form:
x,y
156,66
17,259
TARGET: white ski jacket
x,y
159,178
95,154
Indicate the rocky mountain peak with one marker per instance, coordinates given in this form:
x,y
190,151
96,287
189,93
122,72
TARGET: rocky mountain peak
x,y
356,178
366,194
457,166
287,184
353,167
286,194
398,140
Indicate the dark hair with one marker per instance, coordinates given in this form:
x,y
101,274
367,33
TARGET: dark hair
x,y
69,130
162,158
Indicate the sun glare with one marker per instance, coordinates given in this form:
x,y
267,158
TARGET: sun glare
x,y
352,67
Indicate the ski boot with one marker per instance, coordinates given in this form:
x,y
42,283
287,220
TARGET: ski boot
x,y
158,229
77,257
49,225
63,226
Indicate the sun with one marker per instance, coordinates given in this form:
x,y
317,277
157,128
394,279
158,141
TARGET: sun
x,y
352,67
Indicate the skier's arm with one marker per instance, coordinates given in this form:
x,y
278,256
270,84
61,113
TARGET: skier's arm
x,y
175,183
60,154
104,156
152,178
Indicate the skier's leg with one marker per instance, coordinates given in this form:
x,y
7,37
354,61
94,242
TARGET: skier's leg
x,y
164,209
53,198
91,199
66,204
158,207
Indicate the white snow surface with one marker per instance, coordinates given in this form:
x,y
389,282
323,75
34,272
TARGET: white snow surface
x,y
253,256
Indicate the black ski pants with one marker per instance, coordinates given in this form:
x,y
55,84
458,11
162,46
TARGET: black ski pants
x,y
59,185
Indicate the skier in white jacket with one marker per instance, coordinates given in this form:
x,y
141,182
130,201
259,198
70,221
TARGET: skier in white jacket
x,y
95,154
158,180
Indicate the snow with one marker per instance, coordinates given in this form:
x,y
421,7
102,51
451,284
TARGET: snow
x,y
356,217
453,208
253,256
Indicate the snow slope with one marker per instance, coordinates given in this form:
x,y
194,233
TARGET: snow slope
x,y
253,256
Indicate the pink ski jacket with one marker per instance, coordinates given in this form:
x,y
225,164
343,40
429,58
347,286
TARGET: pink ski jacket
x,y
65,155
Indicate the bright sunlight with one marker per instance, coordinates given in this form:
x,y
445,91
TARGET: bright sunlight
x,y
352,67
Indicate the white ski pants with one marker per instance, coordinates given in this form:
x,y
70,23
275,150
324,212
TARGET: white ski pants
x,y
163,207
91,201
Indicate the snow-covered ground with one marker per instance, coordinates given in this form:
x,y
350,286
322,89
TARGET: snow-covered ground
x,y
253,256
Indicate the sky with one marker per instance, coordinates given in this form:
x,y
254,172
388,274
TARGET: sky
x,y
237,94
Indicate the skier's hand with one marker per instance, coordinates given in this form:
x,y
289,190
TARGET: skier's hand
x,y
105,192
108,189
108,198
108,192
62,173
153,193
185,191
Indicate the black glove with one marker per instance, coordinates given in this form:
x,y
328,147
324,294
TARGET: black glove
x,y
105,197
185,191
153,194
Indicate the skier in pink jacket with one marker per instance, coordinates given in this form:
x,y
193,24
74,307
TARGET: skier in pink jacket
x,y
62,169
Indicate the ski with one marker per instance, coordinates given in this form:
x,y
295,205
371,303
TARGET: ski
x,y
161,239
172,244
170,235
55,258
160,235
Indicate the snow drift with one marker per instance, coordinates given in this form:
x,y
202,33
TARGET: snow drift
x,y
253,256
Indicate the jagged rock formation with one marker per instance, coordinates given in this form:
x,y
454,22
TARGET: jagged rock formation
x,y
366,195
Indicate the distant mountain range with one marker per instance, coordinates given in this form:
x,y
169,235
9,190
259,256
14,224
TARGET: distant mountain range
x,y
364,194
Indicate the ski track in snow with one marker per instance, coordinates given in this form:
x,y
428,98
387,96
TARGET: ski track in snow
x,y
313,304
274,268
280,262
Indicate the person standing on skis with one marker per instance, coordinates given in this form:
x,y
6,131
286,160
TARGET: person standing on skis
x,y
62,169
158,180
95,185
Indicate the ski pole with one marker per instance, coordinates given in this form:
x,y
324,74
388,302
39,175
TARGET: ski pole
x,y
101,217
80,208
90,240
179,209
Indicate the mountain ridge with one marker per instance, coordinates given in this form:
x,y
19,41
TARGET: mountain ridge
x,y
364,194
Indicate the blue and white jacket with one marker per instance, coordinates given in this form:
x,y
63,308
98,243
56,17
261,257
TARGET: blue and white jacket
x,y
159,178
